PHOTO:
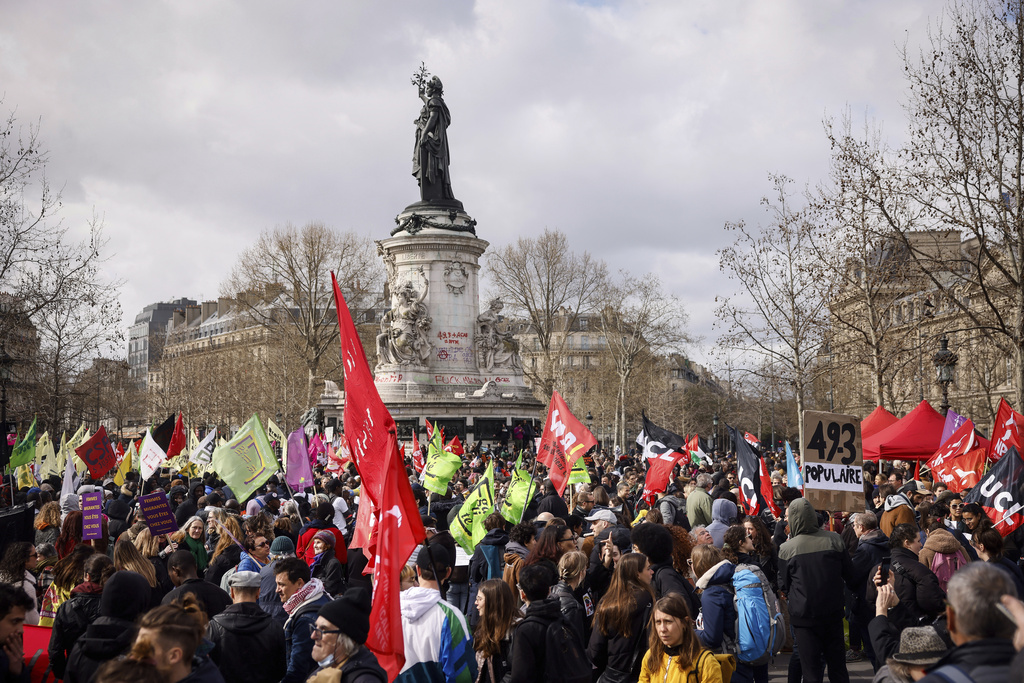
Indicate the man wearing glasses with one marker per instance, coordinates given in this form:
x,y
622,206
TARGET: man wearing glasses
x,y
339,637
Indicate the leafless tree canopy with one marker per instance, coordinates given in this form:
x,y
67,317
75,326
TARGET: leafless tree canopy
x,y
283,282
543,281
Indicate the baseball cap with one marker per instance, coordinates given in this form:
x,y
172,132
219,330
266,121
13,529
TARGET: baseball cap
x,y
603,516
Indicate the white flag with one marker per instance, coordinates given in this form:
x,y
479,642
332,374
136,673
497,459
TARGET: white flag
x,y
68,485
150,456
203,453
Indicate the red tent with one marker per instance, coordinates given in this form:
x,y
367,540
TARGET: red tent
x,y
915,437
879,419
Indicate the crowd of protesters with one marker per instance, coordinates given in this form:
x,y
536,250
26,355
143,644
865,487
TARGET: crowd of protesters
x,y
920,585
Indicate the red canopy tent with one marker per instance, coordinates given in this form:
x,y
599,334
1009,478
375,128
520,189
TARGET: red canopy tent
x,y
915,437
879,419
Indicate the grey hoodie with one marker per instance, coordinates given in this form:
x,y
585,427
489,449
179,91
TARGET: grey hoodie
x,y
723,515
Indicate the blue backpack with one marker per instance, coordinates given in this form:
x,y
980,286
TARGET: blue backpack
x,y
760,629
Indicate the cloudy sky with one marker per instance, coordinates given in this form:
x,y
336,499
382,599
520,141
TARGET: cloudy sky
x,y
638,128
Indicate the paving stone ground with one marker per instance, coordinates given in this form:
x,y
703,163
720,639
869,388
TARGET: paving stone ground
x,y
860,672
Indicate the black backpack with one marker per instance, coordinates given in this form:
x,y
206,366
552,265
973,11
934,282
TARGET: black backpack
x,y
565,659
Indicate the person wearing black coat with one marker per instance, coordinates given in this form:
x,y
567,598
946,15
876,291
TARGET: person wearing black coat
x,y
229,557
488,560
125,596
921,597
117,524
190,506
571,608
655,541
77,612
552,502
247,644
872,547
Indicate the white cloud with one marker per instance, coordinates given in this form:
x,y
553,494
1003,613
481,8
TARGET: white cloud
x,y
638,128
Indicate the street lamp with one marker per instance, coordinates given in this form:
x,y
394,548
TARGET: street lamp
x,y
945,362
590,422
6,363
714,435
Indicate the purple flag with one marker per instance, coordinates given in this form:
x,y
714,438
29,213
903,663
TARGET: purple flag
x,y
298,475
953,422
316,447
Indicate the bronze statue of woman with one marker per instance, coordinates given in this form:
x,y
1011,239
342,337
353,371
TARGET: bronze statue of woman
x,y
430,157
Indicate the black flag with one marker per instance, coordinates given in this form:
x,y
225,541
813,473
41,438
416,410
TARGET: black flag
x,y
1001,492
162,434
748,474
657,441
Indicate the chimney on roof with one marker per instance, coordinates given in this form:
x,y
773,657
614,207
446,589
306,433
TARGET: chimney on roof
x,y
208,309
192,312
177,318
223,306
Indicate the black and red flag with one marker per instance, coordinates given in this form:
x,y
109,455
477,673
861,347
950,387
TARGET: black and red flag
x,y
752,474
162,434
1000,493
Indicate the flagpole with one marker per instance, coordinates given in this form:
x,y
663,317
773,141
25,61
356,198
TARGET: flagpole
x,y
529,491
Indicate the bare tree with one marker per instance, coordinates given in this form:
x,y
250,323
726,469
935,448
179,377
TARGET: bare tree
x,y
961,174
543,281
641,322
283,283
779,314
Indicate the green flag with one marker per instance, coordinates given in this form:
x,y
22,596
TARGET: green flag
x,y
468,527
440,469
579,474
519,461
247,461
25,450
517,496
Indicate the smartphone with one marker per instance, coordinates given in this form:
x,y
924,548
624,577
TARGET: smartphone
x,y
884,569
1006,613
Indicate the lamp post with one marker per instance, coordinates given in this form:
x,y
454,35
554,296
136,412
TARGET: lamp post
x,y
6,362
945,362
590,422
714,435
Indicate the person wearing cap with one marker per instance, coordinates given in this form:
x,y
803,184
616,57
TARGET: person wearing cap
x,y
325,565
247,644
437,639
323,519
339,637
270,602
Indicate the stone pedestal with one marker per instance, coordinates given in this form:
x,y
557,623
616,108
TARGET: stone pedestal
x,y
441,355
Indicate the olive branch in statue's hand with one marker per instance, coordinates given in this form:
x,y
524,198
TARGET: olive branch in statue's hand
x,y
420,78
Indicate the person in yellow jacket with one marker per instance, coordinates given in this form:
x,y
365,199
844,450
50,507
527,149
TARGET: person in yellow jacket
x,y
674,652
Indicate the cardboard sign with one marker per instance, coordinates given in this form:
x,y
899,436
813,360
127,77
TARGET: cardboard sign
x,y
833,461
156,510
92,516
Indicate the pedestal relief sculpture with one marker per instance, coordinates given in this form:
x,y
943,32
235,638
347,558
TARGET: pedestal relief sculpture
x,y
496,348
405,329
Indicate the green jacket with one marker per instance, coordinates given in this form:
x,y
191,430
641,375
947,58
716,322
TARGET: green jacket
x,y
698,507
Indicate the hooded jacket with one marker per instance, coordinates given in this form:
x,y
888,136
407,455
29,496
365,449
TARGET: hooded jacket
x,y
488,558
717,610
871,548
941,541
73,617
723,515
248,644
304,548
917,588
438,645
527,658
810,563
897,510
125,596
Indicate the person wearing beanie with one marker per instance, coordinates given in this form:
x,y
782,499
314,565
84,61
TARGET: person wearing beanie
x,y
270,602
339,642
247,644
325,565
323,519
437,642
125,596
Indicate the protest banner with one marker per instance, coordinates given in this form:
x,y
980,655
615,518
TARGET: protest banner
x,y
833,461
156,510
92,516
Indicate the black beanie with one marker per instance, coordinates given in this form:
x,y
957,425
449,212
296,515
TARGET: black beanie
x,y
350,614
126,595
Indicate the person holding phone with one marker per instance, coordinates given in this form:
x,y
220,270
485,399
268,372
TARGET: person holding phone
x,y
921,597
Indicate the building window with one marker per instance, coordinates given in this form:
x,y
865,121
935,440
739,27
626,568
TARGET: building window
x,y
585,343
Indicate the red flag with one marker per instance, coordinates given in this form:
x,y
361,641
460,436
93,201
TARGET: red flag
x,y
1006,432
120,451
455,446
418,460
767,493
97,453
958,443
177,442
564,440
396,534
961,471
751,439
659,471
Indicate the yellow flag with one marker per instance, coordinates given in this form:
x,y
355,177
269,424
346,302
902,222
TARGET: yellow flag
x,y
26,479
46,459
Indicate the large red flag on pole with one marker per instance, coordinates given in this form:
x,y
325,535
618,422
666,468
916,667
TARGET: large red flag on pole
x,y
177,443
564,440
388,520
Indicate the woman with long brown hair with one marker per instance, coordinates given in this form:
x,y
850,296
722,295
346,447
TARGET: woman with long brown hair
x,y
619,639
552,543
67,573
47,523
673,649
128,557
148,546
228,553
496,606
16,569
